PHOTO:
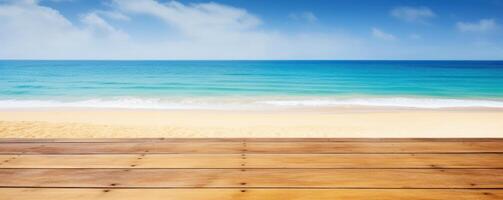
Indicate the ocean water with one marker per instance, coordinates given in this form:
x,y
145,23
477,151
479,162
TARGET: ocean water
x,y
250,84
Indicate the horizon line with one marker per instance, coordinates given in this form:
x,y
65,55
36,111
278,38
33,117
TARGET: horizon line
x,y
490,60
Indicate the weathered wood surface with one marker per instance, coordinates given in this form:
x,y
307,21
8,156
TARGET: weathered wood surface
x,y
248,194
252,147
435,161
137,140
251,168
254,178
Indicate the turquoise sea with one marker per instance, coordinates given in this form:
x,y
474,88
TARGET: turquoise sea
x,y
250,84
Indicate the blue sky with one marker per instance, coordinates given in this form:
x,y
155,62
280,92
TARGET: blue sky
x,y
251,29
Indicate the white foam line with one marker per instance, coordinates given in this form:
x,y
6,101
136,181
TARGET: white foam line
x,y
250,103
389,102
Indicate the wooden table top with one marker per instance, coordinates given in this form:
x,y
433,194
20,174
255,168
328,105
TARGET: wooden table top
x,y
251,168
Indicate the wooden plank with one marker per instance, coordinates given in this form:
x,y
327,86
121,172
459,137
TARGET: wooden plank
x,y
254,161
374,161
254,178
123,161
111,148
121,140
374,147
252,147
250,194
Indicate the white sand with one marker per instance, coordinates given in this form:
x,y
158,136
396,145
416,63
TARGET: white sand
x,y
347,122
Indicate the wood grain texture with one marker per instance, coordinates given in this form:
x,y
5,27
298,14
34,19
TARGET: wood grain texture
x,y
111,148
252,147
260,178
123,161
251,168
249,194
374,161
120,140
374,147
254,161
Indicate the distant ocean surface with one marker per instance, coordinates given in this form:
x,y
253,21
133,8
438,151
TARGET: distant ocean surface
x,y
250,84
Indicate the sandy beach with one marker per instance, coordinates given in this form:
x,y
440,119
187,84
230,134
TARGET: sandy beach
x,y
343,122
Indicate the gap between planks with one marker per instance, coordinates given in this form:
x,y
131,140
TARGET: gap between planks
x,y
471,183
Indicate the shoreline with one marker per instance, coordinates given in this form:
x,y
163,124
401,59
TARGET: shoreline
x,y
313,122
258,103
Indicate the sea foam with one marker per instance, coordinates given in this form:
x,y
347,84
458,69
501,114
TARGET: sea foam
x,y
251,103
390,102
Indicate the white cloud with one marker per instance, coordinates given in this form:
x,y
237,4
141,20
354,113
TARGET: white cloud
x,y
305,16
27,27
484,25
203,31
101,28
412,14
113,15
199,20
377,33
29,30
